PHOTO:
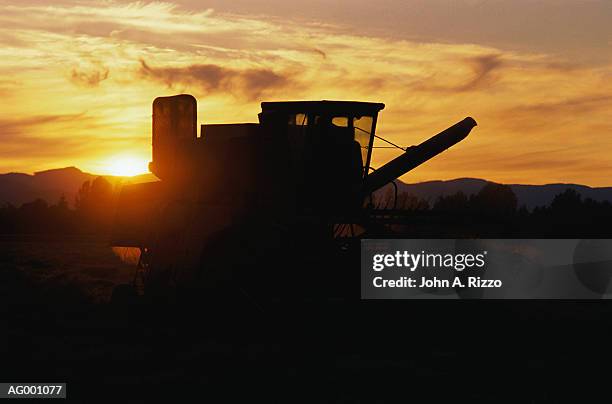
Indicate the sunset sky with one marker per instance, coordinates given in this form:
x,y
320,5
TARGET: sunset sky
x,y
77,78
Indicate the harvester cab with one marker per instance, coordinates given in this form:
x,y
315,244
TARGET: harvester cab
x,y
329,146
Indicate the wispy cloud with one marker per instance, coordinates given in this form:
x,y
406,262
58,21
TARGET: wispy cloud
x,y
477,74
210,78
19,126
89,77
483,67
572,105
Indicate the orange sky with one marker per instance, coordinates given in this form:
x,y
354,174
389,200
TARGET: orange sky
x,y
77,78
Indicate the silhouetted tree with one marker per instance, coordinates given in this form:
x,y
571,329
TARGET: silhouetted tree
x,y
495,200
82,197
410,202
62,204
95,205
566,202
522,212
61,217
456,203
33,216
8,218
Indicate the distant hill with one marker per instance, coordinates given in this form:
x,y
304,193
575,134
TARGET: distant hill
x,y
528,195
50,185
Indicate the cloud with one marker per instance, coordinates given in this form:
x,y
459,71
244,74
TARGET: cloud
x,y
89,78
16,126
481,75
581,104
483,68
570,119
320,52
210,78
29,141
27,147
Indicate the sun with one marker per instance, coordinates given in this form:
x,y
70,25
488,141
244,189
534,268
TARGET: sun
x,y
127,166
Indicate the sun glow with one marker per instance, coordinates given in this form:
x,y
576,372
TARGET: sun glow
x,y
127,166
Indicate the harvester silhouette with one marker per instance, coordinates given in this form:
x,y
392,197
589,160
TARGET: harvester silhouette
x,y
261,207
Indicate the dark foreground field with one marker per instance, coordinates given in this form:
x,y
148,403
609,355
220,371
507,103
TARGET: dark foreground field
x,y
57,326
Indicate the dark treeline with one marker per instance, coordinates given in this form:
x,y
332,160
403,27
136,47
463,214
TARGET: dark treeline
x,y
93,212
494,212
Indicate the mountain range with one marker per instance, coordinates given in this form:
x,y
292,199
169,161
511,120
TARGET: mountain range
x,y
50,185
528,195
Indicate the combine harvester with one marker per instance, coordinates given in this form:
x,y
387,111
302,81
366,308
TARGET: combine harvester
x,y
268,209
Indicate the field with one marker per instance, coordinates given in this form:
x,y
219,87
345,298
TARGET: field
x,y
58,326
71,269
